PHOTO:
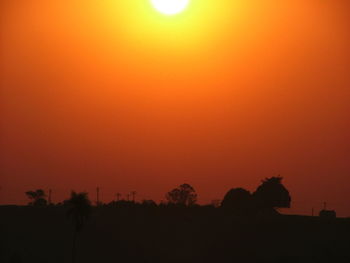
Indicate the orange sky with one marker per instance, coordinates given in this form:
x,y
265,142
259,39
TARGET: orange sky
x,y
113,94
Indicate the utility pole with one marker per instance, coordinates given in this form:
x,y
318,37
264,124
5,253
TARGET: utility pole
x,y
128,197
49,198
325,206
97,196
133,196
118,195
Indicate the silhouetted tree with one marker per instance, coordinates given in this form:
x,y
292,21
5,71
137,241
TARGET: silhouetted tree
x,y
238,200
184,195
37,197
79,209
272,194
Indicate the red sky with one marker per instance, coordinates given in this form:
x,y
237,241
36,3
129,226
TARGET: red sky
x,y
112,94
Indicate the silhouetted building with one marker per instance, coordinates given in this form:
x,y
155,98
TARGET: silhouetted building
x,y
328,214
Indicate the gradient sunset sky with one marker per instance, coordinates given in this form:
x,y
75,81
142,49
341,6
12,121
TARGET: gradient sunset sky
x,y
111,93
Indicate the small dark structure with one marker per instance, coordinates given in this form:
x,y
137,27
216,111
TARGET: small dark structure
x,y
328,214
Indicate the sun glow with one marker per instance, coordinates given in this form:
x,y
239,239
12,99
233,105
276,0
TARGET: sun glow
x,y
170,7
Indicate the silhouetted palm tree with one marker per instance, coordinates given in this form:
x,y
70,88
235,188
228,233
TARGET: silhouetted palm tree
x,y
79,211
37,197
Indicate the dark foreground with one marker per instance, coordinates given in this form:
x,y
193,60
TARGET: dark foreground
x,y
166,235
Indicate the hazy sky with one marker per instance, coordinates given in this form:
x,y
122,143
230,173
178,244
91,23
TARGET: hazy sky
x,y
113,94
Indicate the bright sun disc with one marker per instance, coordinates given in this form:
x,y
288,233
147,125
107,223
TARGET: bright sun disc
x,y
170,7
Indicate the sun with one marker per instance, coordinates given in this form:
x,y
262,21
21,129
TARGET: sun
x,y
170,7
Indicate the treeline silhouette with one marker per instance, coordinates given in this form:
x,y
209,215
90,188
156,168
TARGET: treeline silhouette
x,y
244,227
267,198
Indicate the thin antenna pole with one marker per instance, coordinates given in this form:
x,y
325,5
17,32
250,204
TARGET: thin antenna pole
x,y
49,199
133,196
118,196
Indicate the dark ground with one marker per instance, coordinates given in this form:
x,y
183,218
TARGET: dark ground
x,y
153,235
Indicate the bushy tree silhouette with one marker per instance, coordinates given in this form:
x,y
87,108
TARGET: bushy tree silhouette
x,y
237,200
79,210
272,194
184,195
37,197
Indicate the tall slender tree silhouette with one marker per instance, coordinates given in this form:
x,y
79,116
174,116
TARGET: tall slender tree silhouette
x,y
184,195
79,211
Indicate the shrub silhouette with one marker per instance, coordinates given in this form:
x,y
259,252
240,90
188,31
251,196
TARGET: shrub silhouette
x,y
37,197
184,195
79,210
149,203
272,194
238,200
